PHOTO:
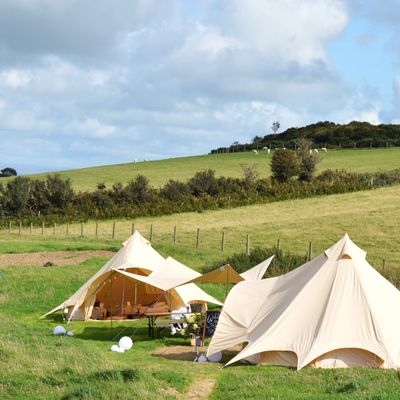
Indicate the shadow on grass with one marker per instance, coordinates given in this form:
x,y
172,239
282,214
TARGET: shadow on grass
x,y
104,333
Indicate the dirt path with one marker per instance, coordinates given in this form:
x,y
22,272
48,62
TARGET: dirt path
x,y
55,257
199,390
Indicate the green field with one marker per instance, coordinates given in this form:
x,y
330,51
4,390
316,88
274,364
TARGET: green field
x,y
37,365
369,217
159,172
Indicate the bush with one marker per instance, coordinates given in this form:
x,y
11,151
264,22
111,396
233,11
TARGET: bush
x,y
284,165
204,182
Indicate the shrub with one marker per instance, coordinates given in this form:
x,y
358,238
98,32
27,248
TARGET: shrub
x,y
175,190
204,182
308,160
284,165
137,191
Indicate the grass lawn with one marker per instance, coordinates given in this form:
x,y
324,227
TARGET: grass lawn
x,y
38,365
159,172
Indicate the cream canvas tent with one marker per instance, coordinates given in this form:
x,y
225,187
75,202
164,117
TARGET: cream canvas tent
x,y
136,255
109,293
334,311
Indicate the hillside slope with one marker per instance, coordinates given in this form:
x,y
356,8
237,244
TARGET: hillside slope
x,y
182,169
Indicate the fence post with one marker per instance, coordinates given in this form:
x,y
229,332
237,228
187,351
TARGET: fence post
x,y
97,229
248,244
54,229
67,229
81,228
309,251
30,228
174,234
19,228
278,245
133,229
151,232
198,238
9,227
223,241
42,228
384,265
113,231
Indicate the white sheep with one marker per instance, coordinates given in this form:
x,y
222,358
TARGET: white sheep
x,y
310,151
255,151
316,150
268,151
265,148
324,149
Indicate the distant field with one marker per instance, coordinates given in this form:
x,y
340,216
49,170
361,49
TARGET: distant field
x,y
161,171
370,217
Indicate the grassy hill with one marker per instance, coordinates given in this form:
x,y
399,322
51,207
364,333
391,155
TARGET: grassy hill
x,y
161,171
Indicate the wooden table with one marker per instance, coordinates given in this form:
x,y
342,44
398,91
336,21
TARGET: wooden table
x,y
152,317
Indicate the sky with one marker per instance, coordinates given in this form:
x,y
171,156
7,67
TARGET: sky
x,y
95,82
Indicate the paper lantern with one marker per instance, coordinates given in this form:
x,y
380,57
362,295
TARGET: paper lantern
x,y
202,358
120,350
70,333
217,357
114,347
59,330
125,343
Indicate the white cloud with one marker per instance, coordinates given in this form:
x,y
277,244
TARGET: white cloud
x,y
91,127
15,78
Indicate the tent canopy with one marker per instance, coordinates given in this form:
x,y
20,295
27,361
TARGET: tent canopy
x,y
334,311
226,274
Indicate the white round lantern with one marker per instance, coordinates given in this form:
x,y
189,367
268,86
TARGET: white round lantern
x,y
59,330
217,357
115,348
202,358
125,343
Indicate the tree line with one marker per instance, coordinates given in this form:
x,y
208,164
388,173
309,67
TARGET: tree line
x,y
324,134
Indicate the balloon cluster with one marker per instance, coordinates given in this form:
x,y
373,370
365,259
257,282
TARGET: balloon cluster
x,y
124,344
60,330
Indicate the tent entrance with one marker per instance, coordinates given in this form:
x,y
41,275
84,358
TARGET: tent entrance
x,y
123,299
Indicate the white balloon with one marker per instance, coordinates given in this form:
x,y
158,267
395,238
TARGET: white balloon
x,y
125,343
120,350
70,333
202,358
217,357
114,347
59,330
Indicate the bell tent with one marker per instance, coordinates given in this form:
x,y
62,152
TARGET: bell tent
x,y
110,294
334,311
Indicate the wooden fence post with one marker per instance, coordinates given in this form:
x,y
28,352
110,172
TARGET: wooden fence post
x,y
198,238
97,229
67,229
30,228
223,241
9,227
81,228
248,244
384,265
113,230
42,228
174,234
19,228
309,251
151,232
54,229
278,245
133,229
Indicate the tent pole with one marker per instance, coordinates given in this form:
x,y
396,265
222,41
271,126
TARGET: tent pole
x,y
111,310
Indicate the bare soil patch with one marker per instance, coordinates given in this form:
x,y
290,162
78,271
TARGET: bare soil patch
x,y
55,257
